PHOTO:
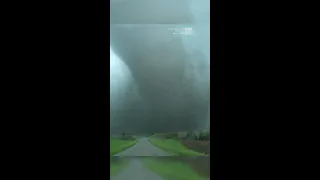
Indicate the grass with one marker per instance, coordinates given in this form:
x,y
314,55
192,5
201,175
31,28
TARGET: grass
x,y
117,167
174,146
117,145
172,170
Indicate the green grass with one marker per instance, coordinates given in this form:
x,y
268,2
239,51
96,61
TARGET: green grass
x,y
174,146
117,145
117,167
172,170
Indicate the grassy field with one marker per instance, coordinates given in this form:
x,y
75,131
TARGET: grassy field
x,y
173,170
174,146
116,167
117,145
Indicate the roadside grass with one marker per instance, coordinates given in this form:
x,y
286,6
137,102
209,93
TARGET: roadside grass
x,y
174,146
173,170
117,145
116,167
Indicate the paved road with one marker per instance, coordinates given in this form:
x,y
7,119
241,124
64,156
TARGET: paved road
x,y
136,170
144,148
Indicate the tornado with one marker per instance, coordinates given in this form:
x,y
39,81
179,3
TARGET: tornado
x,y
159,74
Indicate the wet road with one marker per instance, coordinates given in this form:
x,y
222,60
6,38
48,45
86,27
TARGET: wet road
x,y
136,170
144,148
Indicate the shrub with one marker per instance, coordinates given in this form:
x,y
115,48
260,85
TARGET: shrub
x,y
204,135
127,136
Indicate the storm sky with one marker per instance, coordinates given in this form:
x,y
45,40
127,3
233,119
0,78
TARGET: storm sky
x,y
159,81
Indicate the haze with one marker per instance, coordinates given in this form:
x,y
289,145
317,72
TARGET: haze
x,y
159,81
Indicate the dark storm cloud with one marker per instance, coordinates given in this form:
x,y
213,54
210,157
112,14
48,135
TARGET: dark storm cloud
x,y
150,12
165,86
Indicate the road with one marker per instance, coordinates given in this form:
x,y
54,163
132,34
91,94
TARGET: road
x,y
136,170
144,148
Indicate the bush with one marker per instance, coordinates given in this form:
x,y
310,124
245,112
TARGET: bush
x,y
202,135
127,136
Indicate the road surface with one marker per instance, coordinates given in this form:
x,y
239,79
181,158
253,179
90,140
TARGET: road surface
x,y
136,170
144,148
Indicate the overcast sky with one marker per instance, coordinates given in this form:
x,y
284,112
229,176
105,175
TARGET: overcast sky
x,y
159,81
